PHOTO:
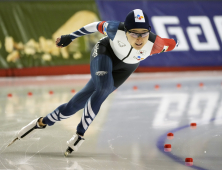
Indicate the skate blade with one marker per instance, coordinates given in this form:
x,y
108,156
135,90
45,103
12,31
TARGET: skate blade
x,y
12,142
66,153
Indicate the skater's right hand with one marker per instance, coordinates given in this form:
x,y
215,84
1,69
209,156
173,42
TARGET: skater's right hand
x,y
57,41
63,41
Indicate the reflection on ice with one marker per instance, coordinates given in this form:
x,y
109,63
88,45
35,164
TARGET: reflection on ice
x,y
20,166
74,166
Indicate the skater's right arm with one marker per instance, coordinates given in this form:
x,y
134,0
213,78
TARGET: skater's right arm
x,y
102,27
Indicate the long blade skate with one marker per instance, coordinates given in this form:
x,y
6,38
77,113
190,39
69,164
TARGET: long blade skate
x,y
12,142
27,130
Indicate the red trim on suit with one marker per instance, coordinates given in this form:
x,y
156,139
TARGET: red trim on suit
x,y
100,27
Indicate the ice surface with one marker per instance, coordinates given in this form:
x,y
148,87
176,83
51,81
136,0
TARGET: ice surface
x,y
130,130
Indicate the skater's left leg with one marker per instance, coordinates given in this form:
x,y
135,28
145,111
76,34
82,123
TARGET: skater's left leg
x,y
101,72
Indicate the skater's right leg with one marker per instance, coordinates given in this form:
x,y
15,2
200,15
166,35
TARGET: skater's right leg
x,y
66,110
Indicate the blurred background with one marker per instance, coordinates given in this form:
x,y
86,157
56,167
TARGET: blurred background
x,y
29,28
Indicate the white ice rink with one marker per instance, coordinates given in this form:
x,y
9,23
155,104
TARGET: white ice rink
x,y
130,131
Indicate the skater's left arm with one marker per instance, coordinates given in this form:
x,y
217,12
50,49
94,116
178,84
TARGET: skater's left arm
x,y
163,45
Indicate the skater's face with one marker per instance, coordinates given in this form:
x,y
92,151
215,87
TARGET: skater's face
x,y
137,37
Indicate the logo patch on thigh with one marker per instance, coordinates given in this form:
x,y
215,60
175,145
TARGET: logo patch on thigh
x,y
101,73
95,53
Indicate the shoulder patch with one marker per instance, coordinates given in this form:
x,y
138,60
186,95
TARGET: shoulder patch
x,y
152,37
105,25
